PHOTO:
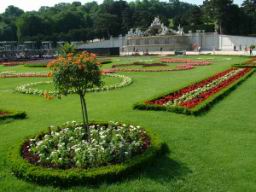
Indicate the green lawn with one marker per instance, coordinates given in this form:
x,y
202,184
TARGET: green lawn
x,y
210,153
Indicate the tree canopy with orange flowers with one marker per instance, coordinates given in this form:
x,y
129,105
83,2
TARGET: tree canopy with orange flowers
x,y
76,72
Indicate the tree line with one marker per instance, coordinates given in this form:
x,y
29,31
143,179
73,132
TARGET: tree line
x,y
76,21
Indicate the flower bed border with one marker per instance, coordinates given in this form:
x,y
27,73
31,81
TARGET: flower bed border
x,y
138,64
13,114
251,63
179,68
244,66
202,107
36,65
186,61
76,176
22,75
125,82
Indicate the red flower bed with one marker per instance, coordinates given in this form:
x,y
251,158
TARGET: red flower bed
x,y
15,63
10,64
2,113
185,61
17,75
204,92
176,60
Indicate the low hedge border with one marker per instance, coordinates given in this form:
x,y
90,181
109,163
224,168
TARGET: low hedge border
x,y
244,65
75,176
201,108
105,61
13,115
35,65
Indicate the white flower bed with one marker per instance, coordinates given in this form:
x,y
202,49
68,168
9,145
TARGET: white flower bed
x,y
28,88
109,144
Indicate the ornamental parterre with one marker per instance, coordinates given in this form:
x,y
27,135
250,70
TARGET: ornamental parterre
x,y
29,87
190,98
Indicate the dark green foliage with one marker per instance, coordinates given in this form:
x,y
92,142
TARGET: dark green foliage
x,y
70,177
31,24
245,65
105,61
199,109
35,65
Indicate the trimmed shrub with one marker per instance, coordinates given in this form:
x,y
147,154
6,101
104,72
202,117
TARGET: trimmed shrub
x,y
77,176
105,61
35,65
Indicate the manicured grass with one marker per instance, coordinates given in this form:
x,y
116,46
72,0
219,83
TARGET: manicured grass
x,y
214,152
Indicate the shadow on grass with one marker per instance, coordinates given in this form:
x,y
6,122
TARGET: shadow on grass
x,y
162,169
165,169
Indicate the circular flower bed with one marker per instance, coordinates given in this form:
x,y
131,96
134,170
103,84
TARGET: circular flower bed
x,y
61,156
28,88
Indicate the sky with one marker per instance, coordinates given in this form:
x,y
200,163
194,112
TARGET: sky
x,y
30,5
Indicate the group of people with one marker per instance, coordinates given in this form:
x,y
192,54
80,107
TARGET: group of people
x,y
246,49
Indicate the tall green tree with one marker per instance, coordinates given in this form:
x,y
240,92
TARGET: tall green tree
x,y
13,12
249,10
218,11
30,24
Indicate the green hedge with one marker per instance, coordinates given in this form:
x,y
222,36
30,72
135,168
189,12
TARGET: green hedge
x,y
13,114
35,65
75,176
105,61
244,66
199,109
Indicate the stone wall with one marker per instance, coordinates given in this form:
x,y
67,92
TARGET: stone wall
x,y
228,42
113,42
156,43
206,41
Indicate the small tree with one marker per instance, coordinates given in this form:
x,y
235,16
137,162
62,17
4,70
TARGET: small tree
x,y
76,73
66,49
252,47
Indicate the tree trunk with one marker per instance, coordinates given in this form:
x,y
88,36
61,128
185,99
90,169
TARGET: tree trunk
x,y
85,117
